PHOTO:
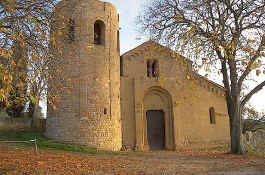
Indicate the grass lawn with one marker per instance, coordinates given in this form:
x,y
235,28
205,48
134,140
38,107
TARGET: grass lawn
x,y
44,143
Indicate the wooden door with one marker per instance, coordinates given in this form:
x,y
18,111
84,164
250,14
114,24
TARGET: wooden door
x,y
155,129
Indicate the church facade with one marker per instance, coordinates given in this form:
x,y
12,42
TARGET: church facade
x,y
147,99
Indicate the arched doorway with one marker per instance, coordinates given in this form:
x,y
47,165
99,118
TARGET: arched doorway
x,y
156,113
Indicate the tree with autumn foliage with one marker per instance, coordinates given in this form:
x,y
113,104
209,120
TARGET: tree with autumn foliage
x,y
27,64
225,36
16,100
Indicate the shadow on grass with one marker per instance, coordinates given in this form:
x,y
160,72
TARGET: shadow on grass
x,y
44,143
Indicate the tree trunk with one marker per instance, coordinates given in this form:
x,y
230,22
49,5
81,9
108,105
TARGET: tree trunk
x,y
235,132
235,128
31,108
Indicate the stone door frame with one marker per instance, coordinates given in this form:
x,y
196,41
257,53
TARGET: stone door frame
x,y
141,122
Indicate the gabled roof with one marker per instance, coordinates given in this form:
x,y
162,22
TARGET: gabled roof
x,y
146,46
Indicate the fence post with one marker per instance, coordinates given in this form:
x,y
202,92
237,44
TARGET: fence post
x,y
36,146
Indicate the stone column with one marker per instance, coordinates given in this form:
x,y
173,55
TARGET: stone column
x,y
144,126
168,134
139,127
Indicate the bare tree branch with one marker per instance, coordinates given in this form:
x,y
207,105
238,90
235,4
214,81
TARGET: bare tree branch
x,y
250,63
252,92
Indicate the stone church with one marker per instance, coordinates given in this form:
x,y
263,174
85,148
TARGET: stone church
x,y
147,99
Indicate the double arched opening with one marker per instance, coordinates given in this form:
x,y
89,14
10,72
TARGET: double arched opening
x,y
152,68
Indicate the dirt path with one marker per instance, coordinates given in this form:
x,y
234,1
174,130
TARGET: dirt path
x,y
21,161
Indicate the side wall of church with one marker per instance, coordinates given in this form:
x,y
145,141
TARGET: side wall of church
x,y
192,117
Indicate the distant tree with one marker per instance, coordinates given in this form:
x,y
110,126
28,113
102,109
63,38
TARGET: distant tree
x,y
226,36
253,119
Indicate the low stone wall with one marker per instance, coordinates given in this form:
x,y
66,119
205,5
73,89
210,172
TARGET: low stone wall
x,y
20,123
255,140
9,123
40,125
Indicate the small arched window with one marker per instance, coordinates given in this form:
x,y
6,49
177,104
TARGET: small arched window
x,y
212,115
99,33
118,41
71,30
155,72
148,68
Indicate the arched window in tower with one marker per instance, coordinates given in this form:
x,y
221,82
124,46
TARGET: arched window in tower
x,y
212,115
71,30
99,33
118,40
155,72
148,68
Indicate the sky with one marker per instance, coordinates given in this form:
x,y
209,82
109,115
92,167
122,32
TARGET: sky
x,y
130,36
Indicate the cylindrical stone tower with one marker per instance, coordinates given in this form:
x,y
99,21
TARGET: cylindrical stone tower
x,y
90,114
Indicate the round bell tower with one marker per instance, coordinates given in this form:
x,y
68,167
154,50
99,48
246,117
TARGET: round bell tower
x,y
90,114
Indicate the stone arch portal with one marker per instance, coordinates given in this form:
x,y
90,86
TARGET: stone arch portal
x,y
156,109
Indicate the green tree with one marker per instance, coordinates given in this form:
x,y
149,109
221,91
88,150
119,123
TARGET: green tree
x,y
226,36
